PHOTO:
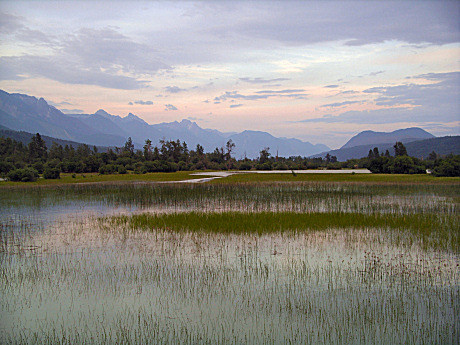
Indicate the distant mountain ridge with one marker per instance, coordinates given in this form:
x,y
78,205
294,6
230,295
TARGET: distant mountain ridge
x,y
26,113
417,148
26,137
373,138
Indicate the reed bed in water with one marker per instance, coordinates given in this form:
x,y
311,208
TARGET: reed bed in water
x,y
297,197
427,226
274,263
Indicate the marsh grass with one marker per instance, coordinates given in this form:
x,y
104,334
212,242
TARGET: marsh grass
x,y
242,263
443,231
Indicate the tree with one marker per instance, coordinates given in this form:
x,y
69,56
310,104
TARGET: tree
x,y
371,154
400,149
148,150
129,147
229,148
37,148
264,155
432,156
376,152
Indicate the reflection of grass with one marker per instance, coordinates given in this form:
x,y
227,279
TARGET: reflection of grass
x,y
370,178
94,177
443,231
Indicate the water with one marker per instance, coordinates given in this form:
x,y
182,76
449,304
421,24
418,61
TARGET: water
x,y
67,278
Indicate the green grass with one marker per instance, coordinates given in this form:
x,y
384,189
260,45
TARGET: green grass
x,y
95,177
367,178
240,178
445,230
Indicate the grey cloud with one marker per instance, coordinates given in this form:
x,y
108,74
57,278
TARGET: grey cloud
x,y
439,76
260,95
10,23
170,107
281,91
236,105
357,21
130,103
143,102
438,101
262,80
72,111
331,86
13,25
236,95
174,89
340,104
13,67
348,92
89,57
376,73
444,90
54,104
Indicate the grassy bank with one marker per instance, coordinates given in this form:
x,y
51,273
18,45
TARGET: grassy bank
x,y
95,178
324,177
249,177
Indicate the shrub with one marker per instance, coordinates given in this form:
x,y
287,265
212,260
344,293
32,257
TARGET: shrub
x,y
51,173
23,175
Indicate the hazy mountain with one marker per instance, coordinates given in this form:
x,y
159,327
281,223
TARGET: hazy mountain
x,y
375,138
26,113
26,137
249,144
418,148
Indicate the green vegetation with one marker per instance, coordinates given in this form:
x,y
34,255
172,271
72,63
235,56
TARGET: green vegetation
x,y
423,225
174,156
308,262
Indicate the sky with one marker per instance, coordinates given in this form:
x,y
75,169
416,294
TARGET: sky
x,y
319,71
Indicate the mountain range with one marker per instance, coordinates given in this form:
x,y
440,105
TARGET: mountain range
x,y
27,113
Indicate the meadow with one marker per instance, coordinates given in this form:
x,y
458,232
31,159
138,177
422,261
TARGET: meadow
x,y
320,260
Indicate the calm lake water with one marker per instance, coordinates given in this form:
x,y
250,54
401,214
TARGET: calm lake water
x,y
70,276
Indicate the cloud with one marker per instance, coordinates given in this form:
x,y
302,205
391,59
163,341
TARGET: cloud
x,y
72,111
373,74
101,57
236,95
356,22
331,86
281,91
169,107
262,81
140,102
340,104
348,92
232,95
235,105
419,103
174,89
15,67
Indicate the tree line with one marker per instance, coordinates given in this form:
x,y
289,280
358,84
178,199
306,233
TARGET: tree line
x,y
19,162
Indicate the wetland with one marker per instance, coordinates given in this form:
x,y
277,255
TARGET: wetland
x,y
304,262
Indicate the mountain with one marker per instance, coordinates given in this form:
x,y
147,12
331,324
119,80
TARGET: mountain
x,y
26,113
249,144
25,138
418,148
376,138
